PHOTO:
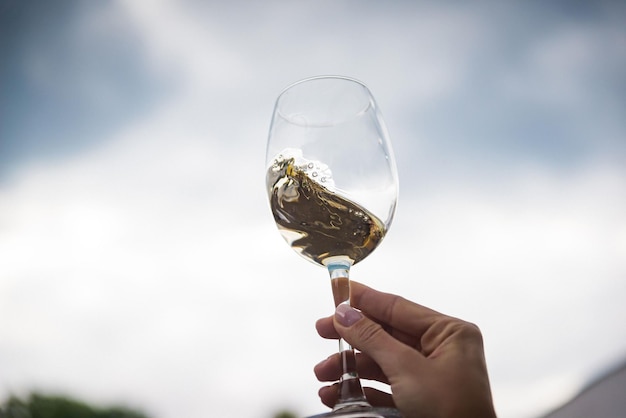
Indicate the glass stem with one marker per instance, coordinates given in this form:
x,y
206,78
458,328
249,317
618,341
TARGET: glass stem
x,y
350,391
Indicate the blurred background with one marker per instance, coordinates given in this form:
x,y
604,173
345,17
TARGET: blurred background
x,y
139,263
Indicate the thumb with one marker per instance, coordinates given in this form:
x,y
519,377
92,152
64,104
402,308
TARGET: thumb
x,y
370,338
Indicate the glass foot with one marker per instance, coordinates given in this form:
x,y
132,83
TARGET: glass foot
x,y
361,413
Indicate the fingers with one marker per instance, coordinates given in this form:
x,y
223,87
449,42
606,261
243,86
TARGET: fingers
x,y
405,323
329,395
394,311
398,315
377,398
326,328
330,370
369,337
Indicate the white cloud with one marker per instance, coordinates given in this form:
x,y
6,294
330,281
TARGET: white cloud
x,y
567,67
187,46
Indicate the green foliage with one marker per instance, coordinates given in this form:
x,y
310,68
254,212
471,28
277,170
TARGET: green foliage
x,y
43,406
40,406
283,414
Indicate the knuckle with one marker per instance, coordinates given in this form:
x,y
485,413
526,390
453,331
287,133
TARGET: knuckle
x,y
466,331
369,333
471,330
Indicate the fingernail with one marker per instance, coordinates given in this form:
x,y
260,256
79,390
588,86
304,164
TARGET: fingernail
x,y
346,315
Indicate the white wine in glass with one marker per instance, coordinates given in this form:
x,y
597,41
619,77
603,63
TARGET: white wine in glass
x,y
332,185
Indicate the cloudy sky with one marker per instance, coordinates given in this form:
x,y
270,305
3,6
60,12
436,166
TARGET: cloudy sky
x,y
139,262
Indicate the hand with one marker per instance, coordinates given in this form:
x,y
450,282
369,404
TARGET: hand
x,y
434,364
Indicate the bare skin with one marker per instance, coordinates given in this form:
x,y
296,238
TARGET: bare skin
x,y
434,363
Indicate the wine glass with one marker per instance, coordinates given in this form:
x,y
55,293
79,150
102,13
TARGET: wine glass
x,y
332,184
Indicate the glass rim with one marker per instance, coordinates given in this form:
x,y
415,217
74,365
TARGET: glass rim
x,y
322,77
353,83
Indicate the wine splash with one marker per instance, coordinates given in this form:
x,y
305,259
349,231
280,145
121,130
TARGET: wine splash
x,y
314,220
